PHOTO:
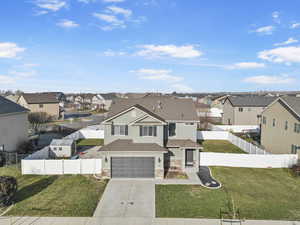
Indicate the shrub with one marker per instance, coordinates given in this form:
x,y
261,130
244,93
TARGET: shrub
x,y
8,189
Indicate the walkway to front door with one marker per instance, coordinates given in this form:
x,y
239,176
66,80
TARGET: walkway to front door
x,y
127,198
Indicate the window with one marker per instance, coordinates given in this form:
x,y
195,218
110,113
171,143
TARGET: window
x,y
189,124
294,149
119,130
297,128
148,131
274,122
172,129
54,148
264,120
286,125
241,109
60,148
41,105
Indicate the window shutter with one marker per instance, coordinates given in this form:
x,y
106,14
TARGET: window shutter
x,y
141,131
154,131
112,130
126,130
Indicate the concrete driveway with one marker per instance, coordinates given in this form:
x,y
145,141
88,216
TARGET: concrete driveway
x,y
127,198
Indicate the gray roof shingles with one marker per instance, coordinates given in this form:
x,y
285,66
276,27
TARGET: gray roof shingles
x,y
293,103
36,98
251,101
7,107
167,108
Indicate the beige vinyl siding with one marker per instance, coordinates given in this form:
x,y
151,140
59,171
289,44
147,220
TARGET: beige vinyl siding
x,y
50,108
249,115
277,139
228,113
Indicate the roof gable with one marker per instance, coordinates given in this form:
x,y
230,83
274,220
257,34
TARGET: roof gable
x,y
7,107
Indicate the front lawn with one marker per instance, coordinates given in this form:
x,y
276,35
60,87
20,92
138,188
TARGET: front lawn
x,y
221,146
258,193
68,195
90,142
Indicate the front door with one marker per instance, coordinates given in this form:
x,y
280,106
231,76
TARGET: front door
x,y
189,157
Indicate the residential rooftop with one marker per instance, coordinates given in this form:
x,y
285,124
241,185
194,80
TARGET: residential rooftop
x,y
167,108
37,98
7,106
251,101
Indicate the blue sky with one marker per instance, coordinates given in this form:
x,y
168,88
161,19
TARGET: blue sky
x,y
149,45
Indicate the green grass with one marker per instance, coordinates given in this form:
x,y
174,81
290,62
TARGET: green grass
x,y
68,195
221,147
90,142
258,193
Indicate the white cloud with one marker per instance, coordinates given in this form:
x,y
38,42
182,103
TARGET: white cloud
x,y
41,12
110,52
23,74
113,1
276,17
51,5
269,80
185,51
182,88
162,75
267,30
288,42
247,65
9,50
6,79
30,65
281,55
118,10
86,1
112,20
67,24
295,25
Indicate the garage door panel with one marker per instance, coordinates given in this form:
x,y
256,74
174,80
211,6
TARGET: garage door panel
x,y
132,167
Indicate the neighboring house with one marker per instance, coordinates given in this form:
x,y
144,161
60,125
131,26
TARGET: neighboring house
x,y
13,125
280,128
202,109
145,137
244,110
218,102
41,102
13,98
62,148
107,99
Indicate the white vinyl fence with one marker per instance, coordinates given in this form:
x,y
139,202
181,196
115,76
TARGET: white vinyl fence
x,y
248,161
60,167
237,141
235,128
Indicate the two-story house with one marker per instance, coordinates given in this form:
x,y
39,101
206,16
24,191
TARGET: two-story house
x,y
244,110
280,129
42,102
144,137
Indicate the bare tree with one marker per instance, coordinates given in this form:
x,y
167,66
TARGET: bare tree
x,y
37,119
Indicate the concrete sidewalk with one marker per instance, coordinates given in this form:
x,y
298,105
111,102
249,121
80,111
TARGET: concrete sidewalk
x,y
127,221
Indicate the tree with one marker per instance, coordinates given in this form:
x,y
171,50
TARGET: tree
x,y
36,119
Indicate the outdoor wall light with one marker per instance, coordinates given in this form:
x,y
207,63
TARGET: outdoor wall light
x,y
159,160
105,159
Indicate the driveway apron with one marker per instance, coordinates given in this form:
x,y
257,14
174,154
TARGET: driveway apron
x,y
127,198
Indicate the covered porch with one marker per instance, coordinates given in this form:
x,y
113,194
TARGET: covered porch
x,y
183,155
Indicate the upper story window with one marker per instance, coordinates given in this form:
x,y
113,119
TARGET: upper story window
x,y
264,120
286,125
274,122
119,130
241,109
297,128
172,129
41,105
294,149
150,131
189,124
